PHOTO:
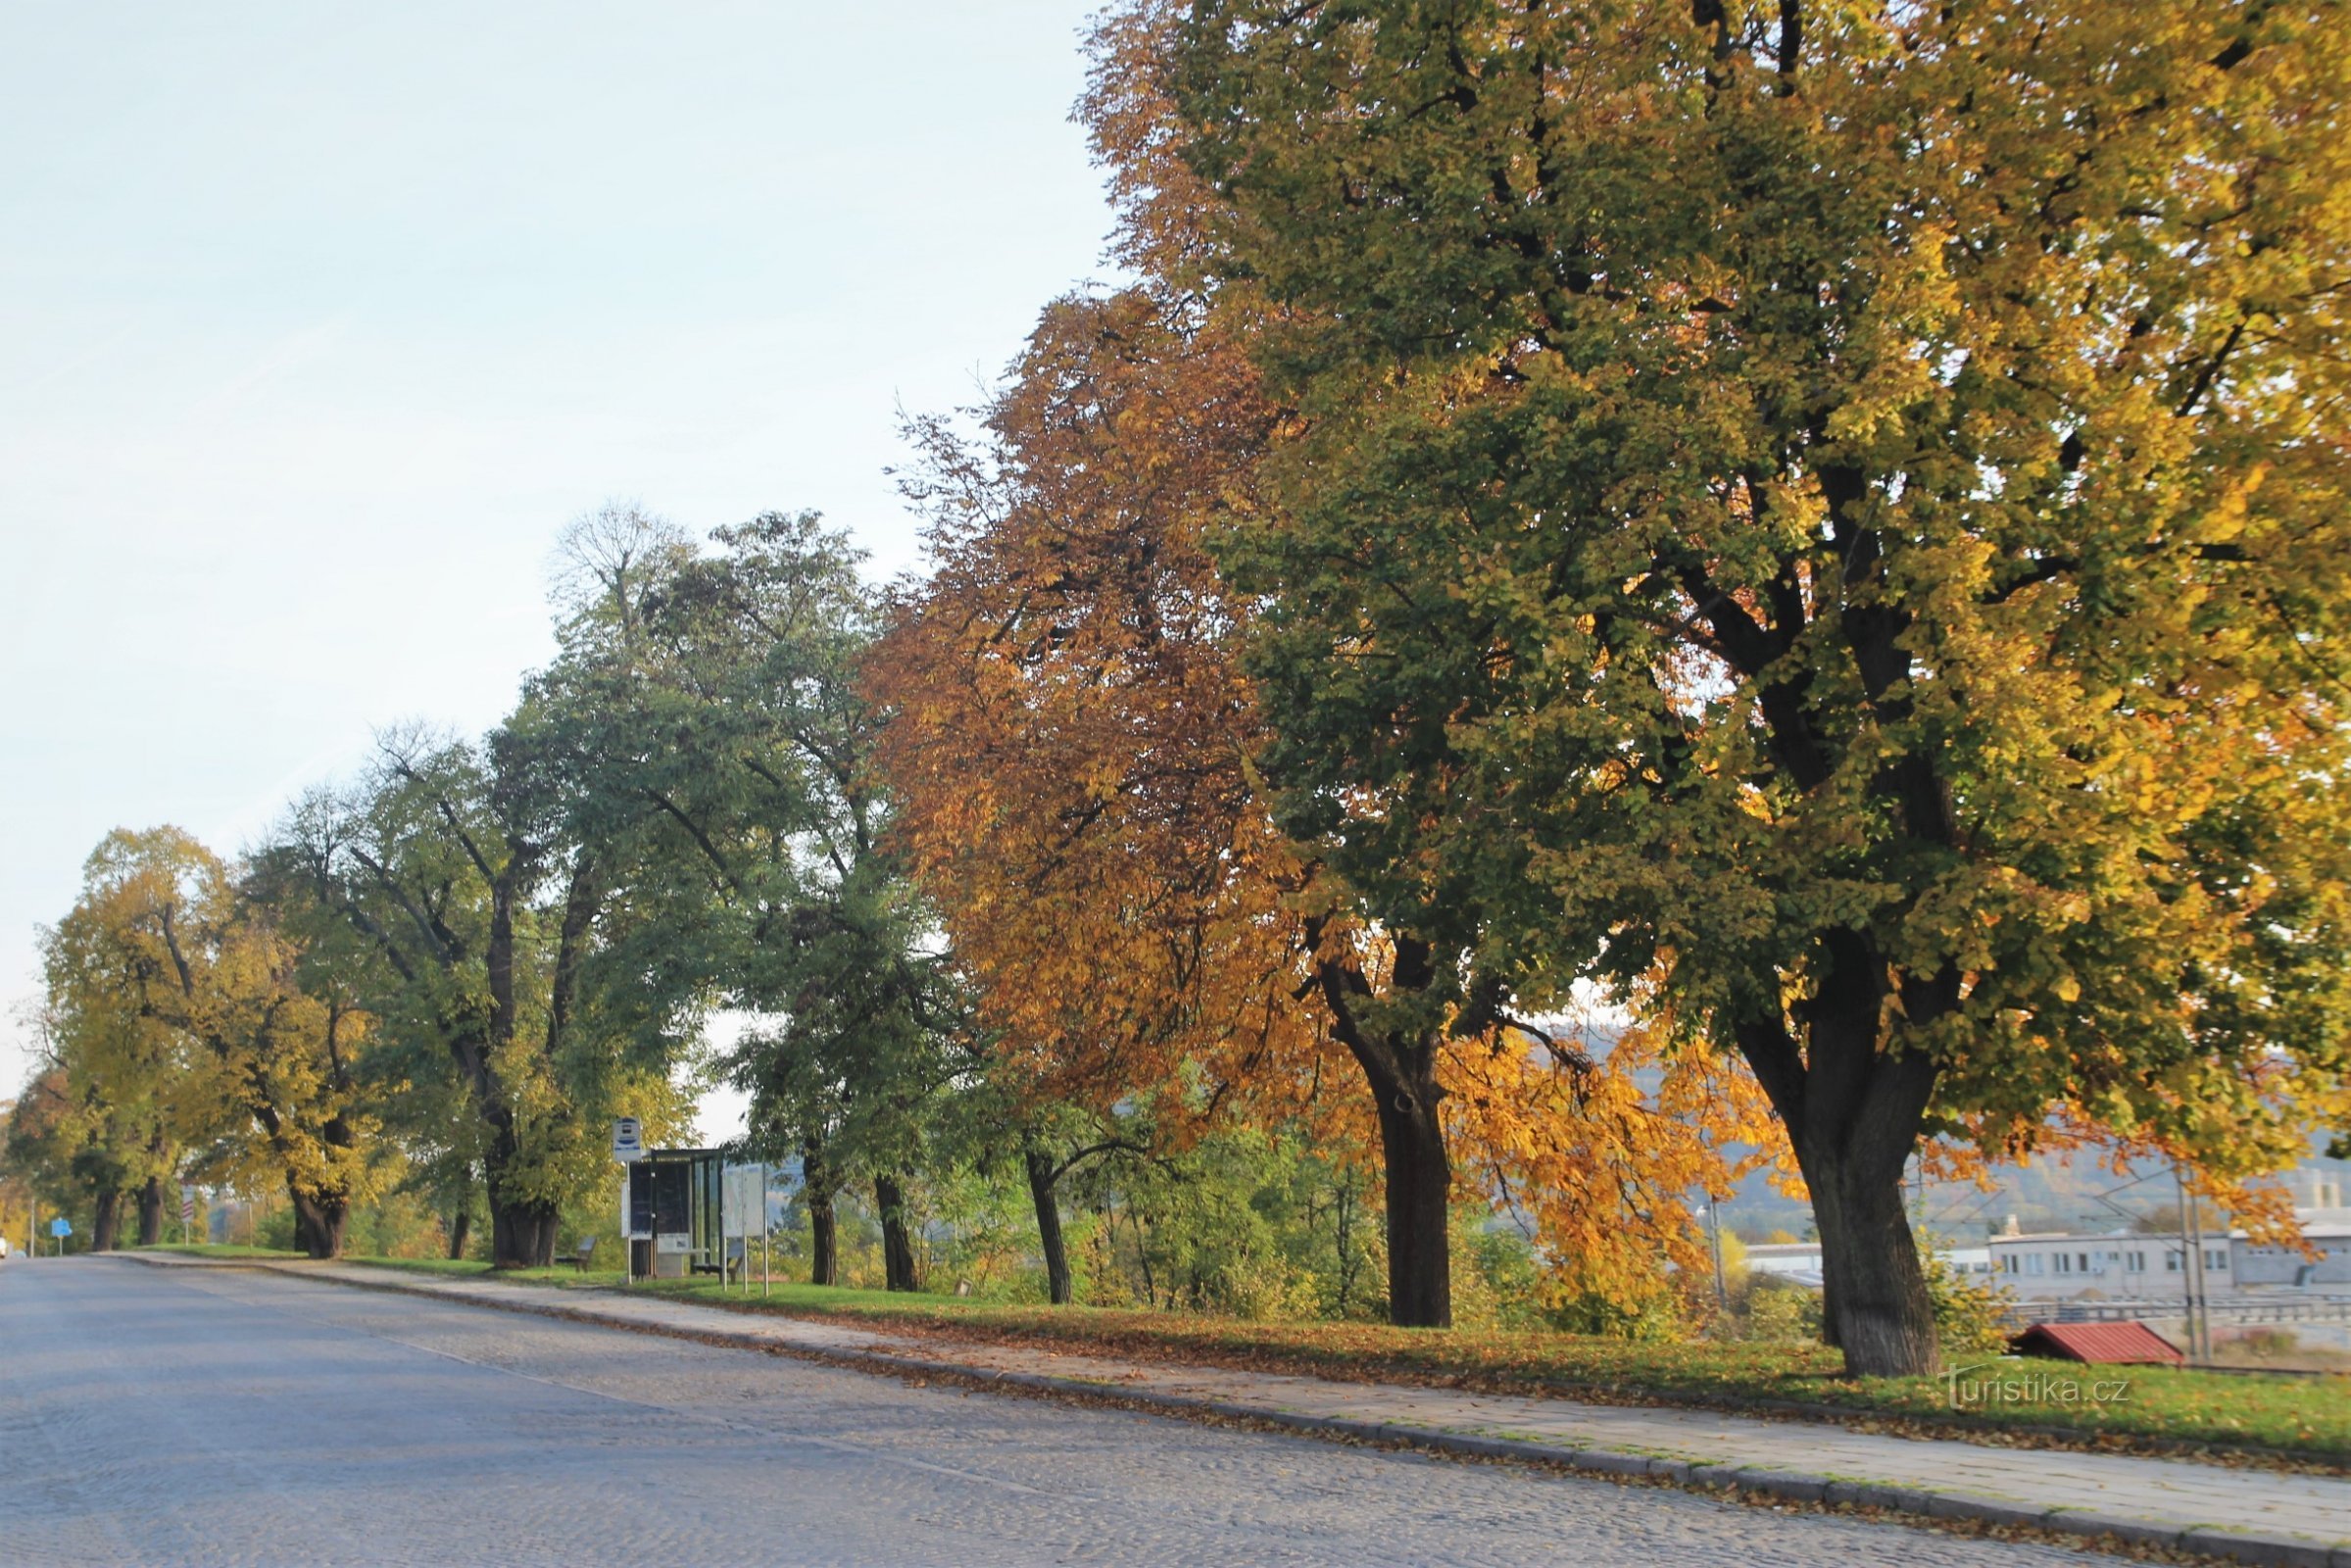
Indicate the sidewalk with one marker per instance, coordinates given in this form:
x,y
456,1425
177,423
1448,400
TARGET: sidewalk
x,y
2254,1516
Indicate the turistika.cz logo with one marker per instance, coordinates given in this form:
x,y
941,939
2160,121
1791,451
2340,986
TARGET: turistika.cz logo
x,y
1970,1393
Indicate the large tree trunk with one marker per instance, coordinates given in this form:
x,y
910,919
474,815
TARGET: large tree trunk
x,y
1042,1180
1420,1190
1401,1072
898,1242
461,1230
1873,1291
105,1221
151,1211
522,1230
523,1235
319,1222
1853,1111
824,1231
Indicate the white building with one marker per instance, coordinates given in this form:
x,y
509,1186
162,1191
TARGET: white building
x,y
2256,1267
1801,1261
2116,1264
2137,1267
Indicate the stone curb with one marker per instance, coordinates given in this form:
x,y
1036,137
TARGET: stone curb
x,y
1790,1486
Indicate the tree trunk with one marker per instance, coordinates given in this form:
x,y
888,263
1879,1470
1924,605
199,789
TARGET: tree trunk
x,y
1854,1110
1420,1190
522,1230
1143,1258
898,1242
461,1231
824,1235
1419,1177
151,1211
1401,1072
1343,1209
319,1223
1874,1300
105,1221
523,1235
1041,1179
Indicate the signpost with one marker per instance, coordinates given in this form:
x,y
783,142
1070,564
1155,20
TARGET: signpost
x,y
61,1227
628,1147
187,1211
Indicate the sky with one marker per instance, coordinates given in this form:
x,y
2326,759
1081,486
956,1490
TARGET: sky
x,y
319,323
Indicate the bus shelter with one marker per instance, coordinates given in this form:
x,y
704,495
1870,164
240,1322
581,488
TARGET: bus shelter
x,y
687,1211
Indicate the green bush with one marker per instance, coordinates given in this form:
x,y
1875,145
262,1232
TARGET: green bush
x,y
1970,1314
1781,1311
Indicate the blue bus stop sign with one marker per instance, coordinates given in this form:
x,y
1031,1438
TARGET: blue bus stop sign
x,y
60,1227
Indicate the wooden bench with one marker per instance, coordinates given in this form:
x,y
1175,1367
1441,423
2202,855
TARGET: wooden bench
x,y
586,1253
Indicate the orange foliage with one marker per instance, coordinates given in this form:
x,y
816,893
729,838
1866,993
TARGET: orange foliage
x,y
1068,730
1598,1169
1069,745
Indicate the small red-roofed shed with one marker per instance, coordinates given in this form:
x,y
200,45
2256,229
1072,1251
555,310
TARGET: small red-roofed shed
x,y
2110,1344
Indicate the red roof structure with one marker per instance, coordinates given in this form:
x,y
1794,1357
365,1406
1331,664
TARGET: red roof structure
x,y
2114,1343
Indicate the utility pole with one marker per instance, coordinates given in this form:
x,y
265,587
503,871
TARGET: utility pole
x,y
2191,1263
1714,1234
2195,1225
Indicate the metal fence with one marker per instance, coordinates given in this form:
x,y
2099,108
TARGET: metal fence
x,y
2220,1310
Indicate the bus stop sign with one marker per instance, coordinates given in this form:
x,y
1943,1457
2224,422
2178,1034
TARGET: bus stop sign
x,y
628,1140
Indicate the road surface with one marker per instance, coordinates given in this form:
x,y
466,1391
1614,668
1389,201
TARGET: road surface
x,y
216,1417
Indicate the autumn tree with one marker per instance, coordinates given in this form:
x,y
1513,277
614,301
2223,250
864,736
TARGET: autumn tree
x,y
37,1148
164,928
1073,740
131,1089
1834,513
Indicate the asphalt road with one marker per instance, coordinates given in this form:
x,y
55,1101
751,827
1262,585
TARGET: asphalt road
x,y
181,1417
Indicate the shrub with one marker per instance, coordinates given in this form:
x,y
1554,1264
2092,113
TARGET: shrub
x,y
1781,1311
1972,1316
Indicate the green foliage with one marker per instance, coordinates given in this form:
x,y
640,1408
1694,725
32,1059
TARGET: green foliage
x,y
1972,1314
1845,542
1779,1311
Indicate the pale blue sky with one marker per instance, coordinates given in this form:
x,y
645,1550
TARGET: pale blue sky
x,y
318,321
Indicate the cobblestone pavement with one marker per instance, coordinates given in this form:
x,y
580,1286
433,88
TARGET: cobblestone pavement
x,y
232,1418
2175,1494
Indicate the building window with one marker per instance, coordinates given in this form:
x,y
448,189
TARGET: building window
x,y
2216,1257
2135,1264
2171,1262
2032,1264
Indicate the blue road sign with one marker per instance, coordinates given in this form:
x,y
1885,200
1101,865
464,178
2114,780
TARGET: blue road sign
x,y
60,1227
